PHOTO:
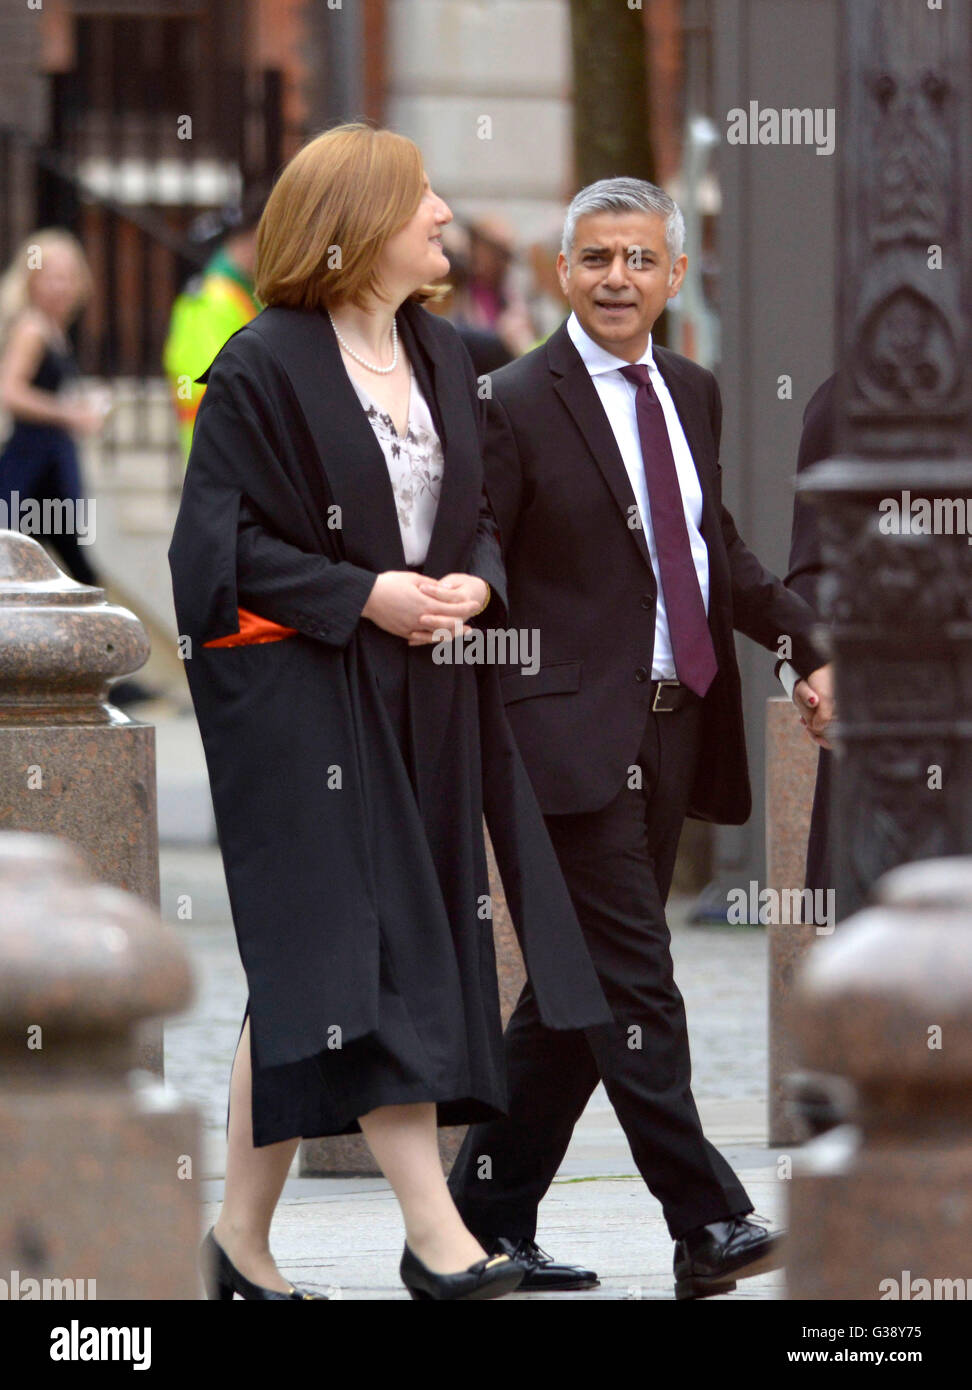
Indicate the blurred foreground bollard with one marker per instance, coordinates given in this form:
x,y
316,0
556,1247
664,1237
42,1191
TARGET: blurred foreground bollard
x,y
70,763
881,1207
97,1161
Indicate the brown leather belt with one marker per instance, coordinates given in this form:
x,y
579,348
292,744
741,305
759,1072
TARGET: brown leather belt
x,y
669,696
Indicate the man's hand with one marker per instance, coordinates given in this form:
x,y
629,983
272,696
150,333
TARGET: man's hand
x,y
814,698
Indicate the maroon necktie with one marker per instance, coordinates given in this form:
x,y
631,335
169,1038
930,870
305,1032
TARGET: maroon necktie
x,y
688,629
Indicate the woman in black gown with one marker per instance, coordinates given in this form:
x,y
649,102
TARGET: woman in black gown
x,y
333,523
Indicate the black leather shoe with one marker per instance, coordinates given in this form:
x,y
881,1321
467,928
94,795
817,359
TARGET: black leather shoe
x,y
223,1279
542,1274
489,1278
711,1258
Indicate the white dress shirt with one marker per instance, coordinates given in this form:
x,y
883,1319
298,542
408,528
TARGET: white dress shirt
x,y
618,398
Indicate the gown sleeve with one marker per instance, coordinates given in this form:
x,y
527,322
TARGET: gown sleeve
x,y
223,553
487,563
309,592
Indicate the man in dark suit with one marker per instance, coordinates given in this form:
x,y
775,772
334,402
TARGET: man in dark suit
x,y
602,467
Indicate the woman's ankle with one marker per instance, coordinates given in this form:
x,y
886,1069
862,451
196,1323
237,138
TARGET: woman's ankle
x,y
444,1248
240,1237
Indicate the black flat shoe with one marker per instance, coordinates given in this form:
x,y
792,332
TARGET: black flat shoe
x,y
489,1278
543,1275
711,1258
223,1279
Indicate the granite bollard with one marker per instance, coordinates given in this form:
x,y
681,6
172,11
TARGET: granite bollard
x,y
98,1197
881,1206
791,772
347,1155
71,764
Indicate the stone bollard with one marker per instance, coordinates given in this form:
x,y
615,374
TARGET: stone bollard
x,y
791,774
347,1155
98,1197
881,1207
70,763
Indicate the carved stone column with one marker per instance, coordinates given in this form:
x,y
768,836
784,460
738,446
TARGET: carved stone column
x,y
899,596
884,1004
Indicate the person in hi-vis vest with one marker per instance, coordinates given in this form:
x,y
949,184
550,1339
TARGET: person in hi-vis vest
x,y
211,307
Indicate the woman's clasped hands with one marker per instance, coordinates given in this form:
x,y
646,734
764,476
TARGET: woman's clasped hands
x,y
421,609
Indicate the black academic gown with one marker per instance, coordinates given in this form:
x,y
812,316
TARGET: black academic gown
x,y
350,772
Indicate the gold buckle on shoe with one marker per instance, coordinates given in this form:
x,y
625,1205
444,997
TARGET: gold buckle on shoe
x,y
656,708
496,1260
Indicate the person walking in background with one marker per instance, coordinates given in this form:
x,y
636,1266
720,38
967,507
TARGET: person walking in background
x,y
41,294
488,298
817,442
545,298
484,345
602,469
211,307
543,310
333,522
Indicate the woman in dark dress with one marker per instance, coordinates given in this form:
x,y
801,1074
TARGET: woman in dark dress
x,y
333,523
44,289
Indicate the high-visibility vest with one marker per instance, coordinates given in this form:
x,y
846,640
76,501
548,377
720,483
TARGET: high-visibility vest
x,y
205,314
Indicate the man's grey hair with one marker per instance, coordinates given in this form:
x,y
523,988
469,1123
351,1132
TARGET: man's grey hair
x,y
626,195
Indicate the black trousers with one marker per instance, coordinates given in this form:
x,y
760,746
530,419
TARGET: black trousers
x,y
618,865
819,874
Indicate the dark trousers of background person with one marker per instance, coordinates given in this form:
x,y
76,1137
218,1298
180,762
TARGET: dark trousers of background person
x,y
819,876
618,865
44,466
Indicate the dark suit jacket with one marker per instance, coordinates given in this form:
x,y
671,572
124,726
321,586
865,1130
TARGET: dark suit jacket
x,y
581,574
816,443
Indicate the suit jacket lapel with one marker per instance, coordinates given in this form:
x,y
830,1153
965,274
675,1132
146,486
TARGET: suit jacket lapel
x,y
351,468
576,389
699,439
690,412
441,378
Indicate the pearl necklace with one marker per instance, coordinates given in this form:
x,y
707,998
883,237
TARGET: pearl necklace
x,y
370,365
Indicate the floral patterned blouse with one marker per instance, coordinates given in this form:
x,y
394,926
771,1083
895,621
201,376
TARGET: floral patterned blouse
x,y
415,465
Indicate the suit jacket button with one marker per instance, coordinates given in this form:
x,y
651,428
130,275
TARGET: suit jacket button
x,y
641,673
647,601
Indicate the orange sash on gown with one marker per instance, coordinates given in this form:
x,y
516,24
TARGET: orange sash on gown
x,y
253,628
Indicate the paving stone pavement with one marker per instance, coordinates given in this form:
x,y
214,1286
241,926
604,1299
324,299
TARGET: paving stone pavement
x,y
345,1234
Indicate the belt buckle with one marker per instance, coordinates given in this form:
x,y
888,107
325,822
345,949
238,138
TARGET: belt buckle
x,y
656,708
